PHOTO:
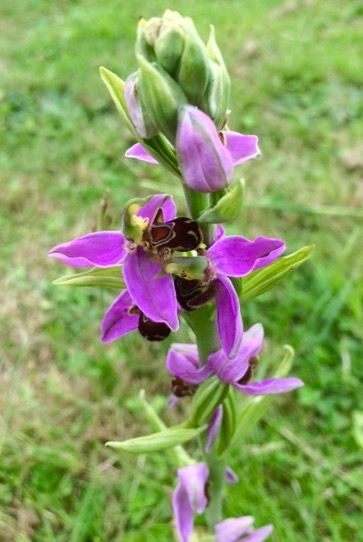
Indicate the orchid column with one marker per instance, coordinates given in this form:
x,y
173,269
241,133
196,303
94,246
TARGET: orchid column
x,y
169,268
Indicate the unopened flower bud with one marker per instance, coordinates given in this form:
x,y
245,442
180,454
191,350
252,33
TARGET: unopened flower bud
x,y
205,162
172,42
138,114
161,96
216,97
194,67
169,44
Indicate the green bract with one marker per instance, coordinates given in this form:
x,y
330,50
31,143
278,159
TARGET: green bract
x,y
228,424
260,281
101,277
208,397
157,442
227,208
217,94
257,407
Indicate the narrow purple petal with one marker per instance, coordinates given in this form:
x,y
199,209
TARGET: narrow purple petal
x,y
230,476
189,498
219,233
205,163
234,369
173,400
185,365
214,427
230,530
183,513
138,152
159,201
236,256
155,297
117,320
241,147
259,535
194,478
229,320
270,386
99,249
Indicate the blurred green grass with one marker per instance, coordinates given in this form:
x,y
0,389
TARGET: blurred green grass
x,y
297,77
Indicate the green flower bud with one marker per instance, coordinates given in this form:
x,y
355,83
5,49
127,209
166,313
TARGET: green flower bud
x,y
169,44
215,101
136,110
194,67
161,97
173,43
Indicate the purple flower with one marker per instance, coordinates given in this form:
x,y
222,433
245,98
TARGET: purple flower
x,y
154,295
206,158
205,161
189,498
233,256
241,530
182,361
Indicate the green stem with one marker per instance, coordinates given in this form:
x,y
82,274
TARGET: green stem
x,y
217,471
202,322
197,203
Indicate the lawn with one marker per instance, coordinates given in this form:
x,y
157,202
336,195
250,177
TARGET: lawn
x,y
297,76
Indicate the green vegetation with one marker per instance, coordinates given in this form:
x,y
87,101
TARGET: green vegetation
x,y
297,72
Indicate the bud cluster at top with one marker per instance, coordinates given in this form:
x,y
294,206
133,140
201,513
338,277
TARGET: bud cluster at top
x,y
175,68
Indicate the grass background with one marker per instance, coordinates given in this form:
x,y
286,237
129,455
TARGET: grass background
x,y
297,73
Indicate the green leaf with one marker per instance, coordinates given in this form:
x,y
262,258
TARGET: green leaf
x,y
227,208
257,407
180,456
104,278
260,281
174,436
